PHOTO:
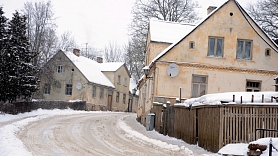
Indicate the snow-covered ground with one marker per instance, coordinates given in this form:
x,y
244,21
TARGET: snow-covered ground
x,y
11,145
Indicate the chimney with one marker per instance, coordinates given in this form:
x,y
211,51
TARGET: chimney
x,y
210,9
76,52
99,60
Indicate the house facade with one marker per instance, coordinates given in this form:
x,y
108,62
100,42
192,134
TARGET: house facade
x,y
69,76
226,52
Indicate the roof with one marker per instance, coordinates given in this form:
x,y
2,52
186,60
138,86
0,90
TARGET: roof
x,y
90,69
111,66
168,32
200,23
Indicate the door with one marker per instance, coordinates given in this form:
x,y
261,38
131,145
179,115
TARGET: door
x,y
109,107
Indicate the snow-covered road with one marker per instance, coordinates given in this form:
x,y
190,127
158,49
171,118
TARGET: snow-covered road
x,y
105,133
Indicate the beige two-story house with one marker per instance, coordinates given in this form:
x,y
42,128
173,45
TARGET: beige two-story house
x,y
70,76
225,52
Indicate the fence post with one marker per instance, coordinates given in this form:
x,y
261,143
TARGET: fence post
x,y
252,99
270,147
234,97
263,98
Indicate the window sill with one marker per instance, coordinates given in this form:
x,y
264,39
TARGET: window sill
x,y
243,60
216,57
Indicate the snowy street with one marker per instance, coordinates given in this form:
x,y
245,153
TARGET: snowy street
x,y
87,133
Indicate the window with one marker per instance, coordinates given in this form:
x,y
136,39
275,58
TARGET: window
x,y
191,45
117,96
244,48
101,93
59,69
136,101
253,86
94,91
267,52
68,89
119,79
46,88
215,47
124,97
125,81
199,85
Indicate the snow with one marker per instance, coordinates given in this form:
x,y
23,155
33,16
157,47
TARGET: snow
x,y
215,99
11,145
110,66
90,69
168,32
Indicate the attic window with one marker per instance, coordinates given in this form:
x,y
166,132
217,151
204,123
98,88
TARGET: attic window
x,y
267,52
191,45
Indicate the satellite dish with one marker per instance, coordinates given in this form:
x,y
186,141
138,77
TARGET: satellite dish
x,y
78,86
173,70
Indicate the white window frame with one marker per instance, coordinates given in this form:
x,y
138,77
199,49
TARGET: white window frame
x,y
94,92
199,84
68,89
215,46
243,52
60,69
119,79
46,89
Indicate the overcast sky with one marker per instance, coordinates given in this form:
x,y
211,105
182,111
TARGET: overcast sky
x,y
96,22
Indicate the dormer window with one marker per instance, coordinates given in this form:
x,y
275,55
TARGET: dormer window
x,y
191,45
59,69
267,52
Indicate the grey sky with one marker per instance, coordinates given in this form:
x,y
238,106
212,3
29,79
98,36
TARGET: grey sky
x,y
96,22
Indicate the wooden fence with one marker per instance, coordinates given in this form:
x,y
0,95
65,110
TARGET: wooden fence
x,y
214,126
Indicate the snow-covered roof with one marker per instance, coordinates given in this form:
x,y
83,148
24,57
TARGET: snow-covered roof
x,y
168,32
90,69
201,22
110,66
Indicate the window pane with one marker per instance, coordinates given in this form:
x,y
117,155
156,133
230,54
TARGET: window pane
x,y
195,90
219,48
248,50
249,90
203,89
200,79
239,49
211,47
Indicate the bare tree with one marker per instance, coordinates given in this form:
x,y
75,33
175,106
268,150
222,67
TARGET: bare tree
x,y
265,13
143,11
41,30
67,41
113,53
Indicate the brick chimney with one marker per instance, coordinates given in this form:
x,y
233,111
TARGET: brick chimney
x,y
76,52
99,60
210,9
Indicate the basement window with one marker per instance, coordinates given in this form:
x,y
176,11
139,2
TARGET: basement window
x,y
253,86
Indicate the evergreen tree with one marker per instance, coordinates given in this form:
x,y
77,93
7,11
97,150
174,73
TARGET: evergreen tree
x,y
22,80
3,46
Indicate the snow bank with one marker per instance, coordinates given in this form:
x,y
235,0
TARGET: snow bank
x,y
158,143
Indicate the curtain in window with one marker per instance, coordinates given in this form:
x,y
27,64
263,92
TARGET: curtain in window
x,y
211,47
247,50
219,47
239,49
